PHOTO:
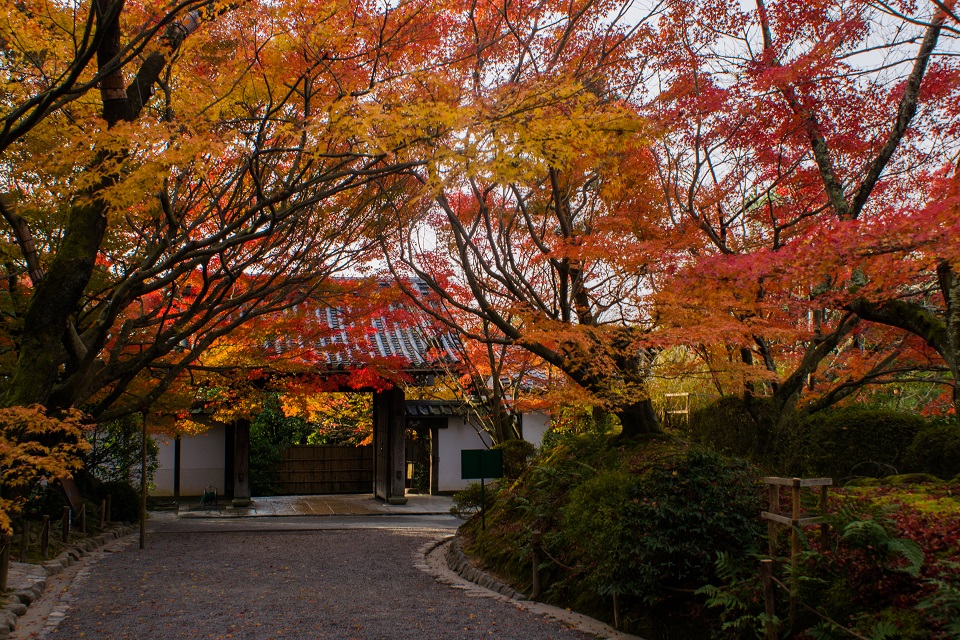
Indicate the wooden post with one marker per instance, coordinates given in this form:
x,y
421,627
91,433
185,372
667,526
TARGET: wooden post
x,y
535,541
103,513
824,509
109,506
176,469
143,481
769,598
397,435
434,461
7,542
66,525
241,463
44,537
774,507
24,540
82,516
794,548
616,610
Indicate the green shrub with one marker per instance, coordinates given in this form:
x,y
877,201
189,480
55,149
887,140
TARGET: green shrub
x,y
124,501
935,449
468,502
642,520
684,513
851,442
516,457
728,426
593,527
45,500
648,534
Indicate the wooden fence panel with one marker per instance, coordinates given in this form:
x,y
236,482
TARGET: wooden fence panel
x,y
318,469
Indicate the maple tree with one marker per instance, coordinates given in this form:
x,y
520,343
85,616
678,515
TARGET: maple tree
x,y
33,446
772,187
222,174
171,172
522,200
808,189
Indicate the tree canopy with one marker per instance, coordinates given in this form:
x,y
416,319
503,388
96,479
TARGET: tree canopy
x,y
770,188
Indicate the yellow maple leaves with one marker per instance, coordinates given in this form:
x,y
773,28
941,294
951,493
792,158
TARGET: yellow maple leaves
x,y
35,445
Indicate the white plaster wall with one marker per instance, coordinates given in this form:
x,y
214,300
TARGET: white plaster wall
x,y
534,426
201,463
456,437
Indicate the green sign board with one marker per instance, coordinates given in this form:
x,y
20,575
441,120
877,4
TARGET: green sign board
x,y
481,464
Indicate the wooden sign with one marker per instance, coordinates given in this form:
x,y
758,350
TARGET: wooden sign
x,y
72,493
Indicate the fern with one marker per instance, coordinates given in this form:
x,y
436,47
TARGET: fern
x,y
868,534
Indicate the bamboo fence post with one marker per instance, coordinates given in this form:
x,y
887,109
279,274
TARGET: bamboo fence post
x,y
825,526
143,482
103,513
616,610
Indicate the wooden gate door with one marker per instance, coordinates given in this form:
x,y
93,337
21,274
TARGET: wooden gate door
x,y
319,469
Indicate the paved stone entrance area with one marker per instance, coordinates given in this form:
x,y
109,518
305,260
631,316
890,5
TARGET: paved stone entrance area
x,y
340,577
328,505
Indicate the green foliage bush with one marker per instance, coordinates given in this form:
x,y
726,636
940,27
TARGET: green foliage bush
x,y
516,457
676,519
45,500
468,502
642,520
124,503
935,449
728,426
851,442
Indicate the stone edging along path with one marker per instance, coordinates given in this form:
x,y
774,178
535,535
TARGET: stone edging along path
x,y
31,579
445,560
459,564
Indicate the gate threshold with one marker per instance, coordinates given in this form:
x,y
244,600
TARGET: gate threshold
x,y
323,505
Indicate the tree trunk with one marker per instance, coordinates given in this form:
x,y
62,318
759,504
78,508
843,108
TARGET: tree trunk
x,y
638,419
56,297
950,287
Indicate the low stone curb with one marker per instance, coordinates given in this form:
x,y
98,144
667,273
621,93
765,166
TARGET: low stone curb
x,y
16,601
455,563
459,564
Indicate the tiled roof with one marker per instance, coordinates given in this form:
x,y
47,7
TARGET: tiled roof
x,y
434,408
339,339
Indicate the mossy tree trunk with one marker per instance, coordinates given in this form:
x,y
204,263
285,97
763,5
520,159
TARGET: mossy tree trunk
x,y
49,345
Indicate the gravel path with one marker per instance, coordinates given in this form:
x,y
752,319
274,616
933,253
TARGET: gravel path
x,y
358,583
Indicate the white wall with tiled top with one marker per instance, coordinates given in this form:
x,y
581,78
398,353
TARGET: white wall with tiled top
x,y
201,463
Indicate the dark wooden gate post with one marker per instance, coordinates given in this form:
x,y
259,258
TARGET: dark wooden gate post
x,y
389,441
398,446
434,460
241,463
176,468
